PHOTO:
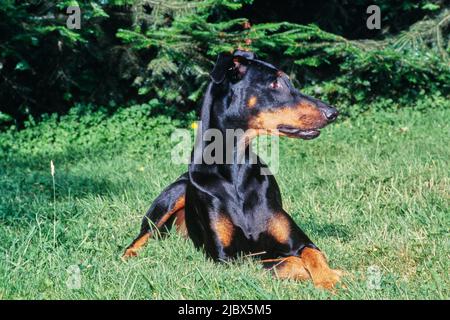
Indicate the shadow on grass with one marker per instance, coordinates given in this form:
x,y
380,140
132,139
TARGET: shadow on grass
x,y
26,184
330,230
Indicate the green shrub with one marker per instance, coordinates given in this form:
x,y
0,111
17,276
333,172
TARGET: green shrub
x,y
129,52
403,68
91,130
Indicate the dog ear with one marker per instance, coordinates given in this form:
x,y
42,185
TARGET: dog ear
x,y
223,64
247,55
234,65
241,60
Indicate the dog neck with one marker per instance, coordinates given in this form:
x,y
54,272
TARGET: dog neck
x,y
226,140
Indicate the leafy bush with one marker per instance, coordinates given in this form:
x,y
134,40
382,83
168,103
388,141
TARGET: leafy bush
x,y
46,67
91,130
353,72
135,51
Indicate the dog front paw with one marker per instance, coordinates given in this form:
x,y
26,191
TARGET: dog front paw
x,y
129,253
328,279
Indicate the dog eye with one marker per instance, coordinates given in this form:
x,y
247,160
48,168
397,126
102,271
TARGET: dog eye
x,y
275,85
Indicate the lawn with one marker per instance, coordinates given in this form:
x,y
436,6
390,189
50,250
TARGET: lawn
x,y
373,192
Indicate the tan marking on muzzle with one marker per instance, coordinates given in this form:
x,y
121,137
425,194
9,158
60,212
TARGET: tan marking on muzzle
x,y
304,116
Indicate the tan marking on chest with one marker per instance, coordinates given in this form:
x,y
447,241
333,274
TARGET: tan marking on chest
x,y
251,102
279,228
224,229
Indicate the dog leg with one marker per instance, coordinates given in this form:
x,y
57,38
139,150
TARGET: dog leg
x,y
285,232
321,274
287,268
166,208
311,265
180,223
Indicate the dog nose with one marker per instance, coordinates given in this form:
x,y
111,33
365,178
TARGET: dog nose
x,y
331,113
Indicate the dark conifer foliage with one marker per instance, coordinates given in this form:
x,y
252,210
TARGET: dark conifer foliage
x,y
129,52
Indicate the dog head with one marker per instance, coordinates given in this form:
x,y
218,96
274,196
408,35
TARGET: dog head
x,y
260,97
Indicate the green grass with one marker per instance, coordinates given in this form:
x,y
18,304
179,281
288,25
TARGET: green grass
x,y
372,191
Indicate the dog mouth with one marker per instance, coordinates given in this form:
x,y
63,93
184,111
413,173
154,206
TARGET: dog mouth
x,y
298,133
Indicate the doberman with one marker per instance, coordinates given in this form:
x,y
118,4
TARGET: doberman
x,y
233,209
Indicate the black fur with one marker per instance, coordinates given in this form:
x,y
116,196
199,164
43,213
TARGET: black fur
x,y
239,192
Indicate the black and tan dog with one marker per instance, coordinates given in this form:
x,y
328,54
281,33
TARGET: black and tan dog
x,y
232,209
